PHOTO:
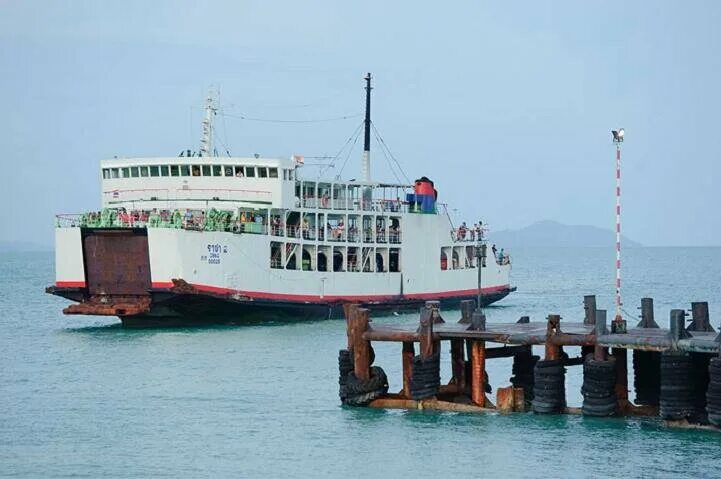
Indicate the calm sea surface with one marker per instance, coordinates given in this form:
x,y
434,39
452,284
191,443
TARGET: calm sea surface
x,y
82,397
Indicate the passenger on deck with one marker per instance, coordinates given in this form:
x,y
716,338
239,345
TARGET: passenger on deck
x,y
462,231
473,232
495,253
306,227
500,256
340,230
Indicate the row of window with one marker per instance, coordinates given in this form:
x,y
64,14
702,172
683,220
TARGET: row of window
x,y
195,170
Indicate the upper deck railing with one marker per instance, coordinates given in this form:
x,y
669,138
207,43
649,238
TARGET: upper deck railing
x,y
214,220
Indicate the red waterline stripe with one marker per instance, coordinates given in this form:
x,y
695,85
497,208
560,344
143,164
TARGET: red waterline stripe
x,y
317,298
70,284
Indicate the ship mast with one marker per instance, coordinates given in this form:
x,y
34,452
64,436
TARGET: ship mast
x,y
366,165
206,140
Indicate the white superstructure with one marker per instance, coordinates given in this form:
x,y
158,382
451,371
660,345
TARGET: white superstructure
x,y
183,235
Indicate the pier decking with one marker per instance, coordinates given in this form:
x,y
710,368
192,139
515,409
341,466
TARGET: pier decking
x,y
677,370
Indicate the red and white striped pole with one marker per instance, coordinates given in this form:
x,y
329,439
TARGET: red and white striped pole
x,y
618,139
618,232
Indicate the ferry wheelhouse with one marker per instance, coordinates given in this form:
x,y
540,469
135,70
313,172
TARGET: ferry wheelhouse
x,y
200,237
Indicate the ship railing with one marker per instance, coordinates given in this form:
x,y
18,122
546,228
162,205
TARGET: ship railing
x,y
70,220
461,235
377,205
277,230
336,235
394,237
503,261
292,231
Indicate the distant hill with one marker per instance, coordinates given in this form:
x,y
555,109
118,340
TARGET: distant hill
x,y
553,234
21,246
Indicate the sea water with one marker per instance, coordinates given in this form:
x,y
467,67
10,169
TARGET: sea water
x,y
83,397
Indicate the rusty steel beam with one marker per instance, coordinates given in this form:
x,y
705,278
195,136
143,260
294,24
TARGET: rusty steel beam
x,y
396,336
478,368
428,404
111,305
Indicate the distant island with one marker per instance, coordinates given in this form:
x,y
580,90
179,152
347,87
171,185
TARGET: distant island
x,y
549,233
22,246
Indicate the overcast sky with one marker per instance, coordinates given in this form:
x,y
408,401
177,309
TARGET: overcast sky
x,y
507,108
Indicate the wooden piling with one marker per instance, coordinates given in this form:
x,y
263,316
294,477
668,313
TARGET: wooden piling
x,y
349,310
466,311
553,327
600,353
425,333
621,388
647,320
589,318
458,365
357,325
589,308
700,320
408,353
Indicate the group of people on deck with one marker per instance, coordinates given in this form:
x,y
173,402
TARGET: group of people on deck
x,y
477,231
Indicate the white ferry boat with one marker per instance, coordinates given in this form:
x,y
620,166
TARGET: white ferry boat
x,y
199,237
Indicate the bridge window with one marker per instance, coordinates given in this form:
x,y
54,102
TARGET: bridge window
x,y
164,170
174,170
134,172
228,170
143,171
206,170
250,171
217,170
114,173
126,172
262,172
154,171
106,173
184,170
196,170
273,172
239,172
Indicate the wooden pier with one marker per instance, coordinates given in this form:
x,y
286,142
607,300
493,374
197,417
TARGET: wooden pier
x,y
676,370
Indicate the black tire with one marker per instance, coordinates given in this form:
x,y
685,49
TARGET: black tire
x,y
377,382
547,363
599,411
607,401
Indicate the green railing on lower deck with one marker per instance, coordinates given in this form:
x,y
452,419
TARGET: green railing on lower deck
x,y
212,220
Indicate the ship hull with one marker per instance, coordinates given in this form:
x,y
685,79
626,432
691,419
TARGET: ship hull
x,y
168,277
170,309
